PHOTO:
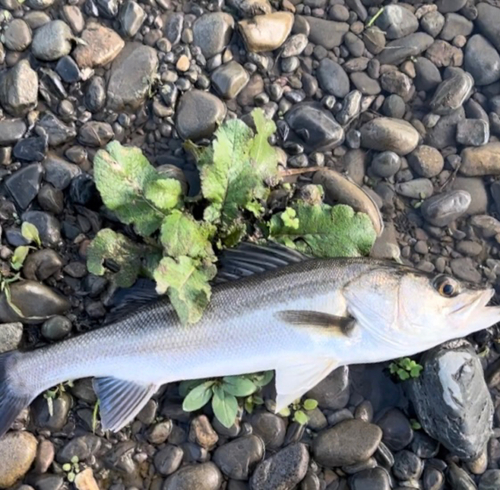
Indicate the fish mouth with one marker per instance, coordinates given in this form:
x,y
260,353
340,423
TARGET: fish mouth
x,y
476,300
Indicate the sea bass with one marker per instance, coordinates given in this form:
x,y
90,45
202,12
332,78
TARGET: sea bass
x,y
273,309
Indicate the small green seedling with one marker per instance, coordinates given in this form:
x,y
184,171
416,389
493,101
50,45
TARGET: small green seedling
x,y
299,410
71,469
224,393
405,368
54,394
415,424
95,414
30,233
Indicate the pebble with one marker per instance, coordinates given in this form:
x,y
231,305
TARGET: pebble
x,y
316,128
397,21
400,49
17,453
202,433
444,208
19,89
490,480
333,391
451,392
41,264
230,79
452,92
10,336
459,479
59,172
95,133
370,479
488,22
56,420
52,41
85,480
131,77
427,75
31,149
238,458
82,447
24,184
424,446
44,456
482,60
11,130
198,115
484,160
17,36
396,429
212,33
365,84
102,45
473,132
286,469
58,132
426,161
347,443
56,328
131,18
443,133
388,134
433,479
168,459
326,33
332,78
266,32
407,466
205,476
294,46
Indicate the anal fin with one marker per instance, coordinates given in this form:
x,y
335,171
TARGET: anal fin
x,y
294,379
121,400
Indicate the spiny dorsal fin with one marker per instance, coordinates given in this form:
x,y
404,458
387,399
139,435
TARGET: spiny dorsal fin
x,y
344,325
120,400
248,259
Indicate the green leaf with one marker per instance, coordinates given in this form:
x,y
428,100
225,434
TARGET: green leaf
x,y
186,386
225,407
405,363
113,246
19,256
403,375
415,371
238,385
326,231
285,412
264,156
181,234
415,424
30,232
249,404
75,459
393,368
300,417
263,379
198,397
310,404
164,193
122,175
186,281
66,467
289,218
71,476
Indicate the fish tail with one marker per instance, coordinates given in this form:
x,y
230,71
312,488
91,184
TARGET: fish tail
x,y
13,399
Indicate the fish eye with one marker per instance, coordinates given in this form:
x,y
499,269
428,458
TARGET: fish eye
x,y
446,286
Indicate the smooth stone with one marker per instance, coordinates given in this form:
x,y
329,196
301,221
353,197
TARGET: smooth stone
x,y
452,93
407,466
488,22
433,479
428,76
317,128
451,398
326,33
386,164
482,60
68,70
332,78
443,209
397,21
443,134
370,479
212,33
11,130
17,453
51,199
294,46
351,107
202,433
102,46
442,53
17,36
52,41
24,184
19,89
168,459
250,8
365,84
238,458
332,392
424,446
59,172
415,189
483,160
459,479
347,443
132,16
387,134
95,96
487,225
58,418
41,264
426,161
270,428
456,25
205,476
81,447
198,115
374,40
10,336
266,32
57,131
31,149
396,429
230,79
396,82
432,23
490,480
95,133
400,49
85,480
48,227
284,470
56,328
39,4
446,6
473,132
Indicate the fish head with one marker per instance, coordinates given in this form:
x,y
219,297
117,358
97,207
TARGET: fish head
x,y
413,310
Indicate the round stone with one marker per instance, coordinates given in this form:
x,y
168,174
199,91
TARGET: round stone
x,y
17,453
426,161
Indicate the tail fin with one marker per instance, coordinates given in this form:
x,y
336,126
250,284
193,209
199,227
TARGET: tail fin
x,y
11,402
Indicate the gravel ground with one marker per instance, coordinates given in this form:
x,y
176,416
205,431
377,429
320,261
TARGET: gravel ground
x,y
405,100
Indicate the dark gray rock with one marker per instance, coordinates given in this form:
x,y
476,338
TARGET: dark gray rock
x,y
59,172
488,22
82,447
396,429
41,264
174,27
285,469
396,82
95,133
371,479
456,25
446,6
107,8
316,128
30,149
24,184
56,328
95,95
48,227
451,399
270,428
168,459
443,134
428,76
365,84
131,18
212,32
452,92
205,476
459,479
490,480
51,199
60,410
351,107
10,336
52,41
57,131
473,132
482,60
444,208
198,115
326,33
19,89
433,478
332,78
332,392
397,21
230,79
401,49
386,164
11,130
407,466
238,458
416,188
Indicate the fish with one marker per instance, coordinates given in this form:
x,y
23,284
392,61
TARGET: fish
x,y
272,308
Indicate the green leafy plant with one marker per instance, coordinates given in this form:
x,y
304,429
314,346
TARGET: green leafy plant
x,y
72,469
415,424
299,409
405,368
54,394
224,394
30,233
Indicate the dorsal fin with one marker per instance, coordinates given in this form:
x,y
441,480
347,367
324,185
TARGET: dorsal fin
x,y
248,259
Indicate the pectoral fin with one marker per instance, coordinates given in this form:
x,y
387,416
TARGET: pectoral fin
x,y
120,400
340,324
293,380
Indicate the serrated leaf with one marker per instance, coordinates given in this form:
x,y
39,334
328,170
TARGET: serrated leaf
x,y
108,244
238,385
186,282
164,193
30,233
300,417
225,407
198,397
19,256
326,231
121,175
310,404
264,156
181,234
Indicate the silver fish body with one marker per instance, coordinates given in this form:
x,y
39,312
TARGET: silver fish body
x,y
247,328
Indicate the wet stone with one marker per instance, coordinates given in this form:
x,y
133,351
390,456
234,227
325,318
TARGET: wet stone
x,y
19,89
68,70
11,130
407,466
285,469
17,453
433,479
51,199
390,134
52,41
459,479
131,18
24,184
490,480
56,328
102,45
332,78
204,476
230,79
452,93
396,429
95,96
270,427
10,336
17,36
370,479
238,458
397,21
212,33
168,459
